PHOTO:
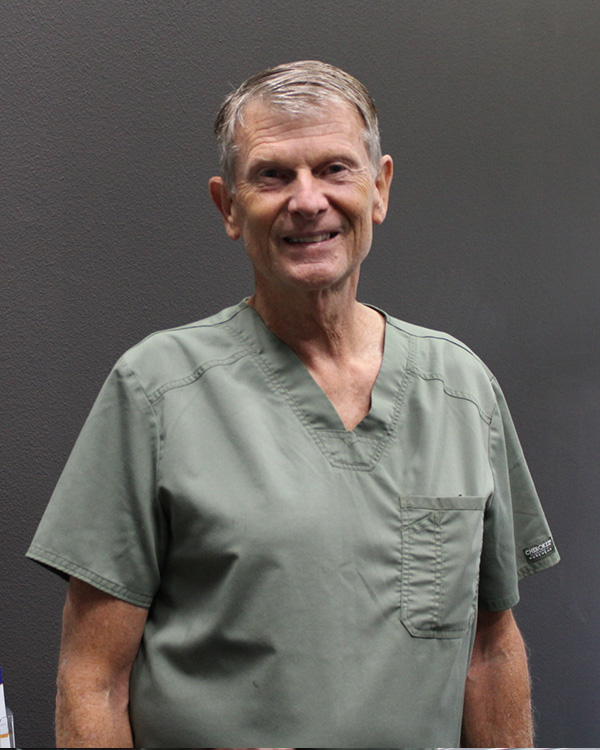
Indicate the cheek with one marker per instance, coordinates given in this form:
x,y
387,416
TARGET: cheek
x,y
357,201
259,216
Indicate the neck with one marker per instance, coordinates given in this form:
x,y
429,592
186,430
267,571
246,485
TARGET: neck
x,y
339,341
315,323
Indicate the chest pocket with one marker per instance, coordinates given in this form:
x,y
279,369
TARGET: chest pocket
x,y
441,541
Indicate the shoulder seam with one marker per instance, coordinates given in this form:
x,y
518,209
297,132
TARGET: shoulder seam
x,y
452,392
190,326
439,336
158,432
196,374
487,418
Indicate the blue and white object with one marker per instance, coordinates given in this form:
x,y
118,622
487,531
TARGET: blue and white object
x,y
7,734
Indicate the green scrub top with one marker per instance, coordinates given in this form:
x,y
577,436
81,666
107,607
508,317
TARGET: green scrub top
x,y
307,586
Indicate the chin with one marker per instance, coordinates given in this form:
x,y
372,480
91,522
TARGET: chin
x,y
318,275
317,284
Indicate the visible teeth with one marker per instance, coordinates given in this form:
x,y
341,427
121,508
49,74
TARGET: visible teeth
x,y
312,238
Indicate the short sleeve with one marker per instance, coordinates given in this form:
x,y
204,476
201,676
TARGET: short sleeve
x,y
517,540
104,523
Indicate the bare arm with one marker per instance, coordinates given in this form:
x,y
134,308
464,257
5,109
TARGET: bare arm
x,y
497,709
100,639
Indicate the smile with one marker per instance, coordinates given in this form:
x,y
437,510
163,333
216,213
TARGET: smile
x,y
311,238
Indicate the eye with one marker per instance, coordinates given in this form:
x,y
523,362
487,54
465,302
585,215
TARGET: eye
x,y
270,175
336,171
336,168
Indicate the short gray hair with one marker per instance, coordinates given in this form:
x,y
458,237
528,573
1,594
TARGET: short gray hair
x,y
297,88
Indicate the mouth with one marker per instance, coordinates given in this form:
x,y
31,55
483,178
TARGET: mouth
x,y
311,238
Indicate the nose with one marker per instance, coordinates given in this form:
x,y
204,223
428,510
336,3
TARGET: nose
x,y
307,197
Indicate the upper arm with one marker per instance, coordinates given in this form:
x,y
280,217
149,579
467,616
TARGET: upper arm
x,y
100,638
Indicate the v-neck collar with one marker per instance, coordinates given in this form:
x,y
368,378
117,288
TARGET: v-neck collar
x,y
360,447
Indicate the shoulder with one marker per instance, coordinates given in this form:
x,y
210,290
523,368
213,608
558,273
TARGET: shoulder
x,y
437,349
436,356
184,352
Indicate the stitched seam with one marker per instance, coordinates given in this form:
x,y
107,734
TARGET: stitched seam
x,y
157,427
342,435
279,387
439,566
452,392
192,326
389,431
490,462
314,432
73,568
538,565
405,573
436,629
282,390
195,375
437,337
495,605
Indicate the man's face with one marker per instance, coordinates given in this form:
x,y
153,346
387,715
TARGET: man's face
x,y
305,198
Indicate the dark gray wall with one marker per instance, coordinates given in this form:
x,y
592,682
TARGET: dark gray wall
x,y
492,113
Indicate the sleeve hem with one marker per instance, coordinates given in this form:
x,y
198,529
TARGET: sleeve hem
x,y
538,565
498,605
65,568
508,602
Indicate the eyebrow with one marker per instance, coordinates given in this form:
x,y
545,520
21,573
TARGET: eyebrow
x,y
259,163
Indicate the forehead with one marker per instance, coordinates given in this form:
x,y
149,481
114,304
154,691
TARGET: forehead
x,y
267,129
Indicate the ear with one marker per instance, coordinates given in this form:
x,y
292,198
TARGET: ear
x,y
223,200
382,188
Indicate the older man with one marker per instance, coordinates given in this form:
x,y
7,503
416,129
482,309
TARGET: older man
x,y
300,521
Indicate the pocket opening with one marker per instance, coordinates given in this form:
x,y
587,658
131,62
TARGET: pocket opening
x,y
441,540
